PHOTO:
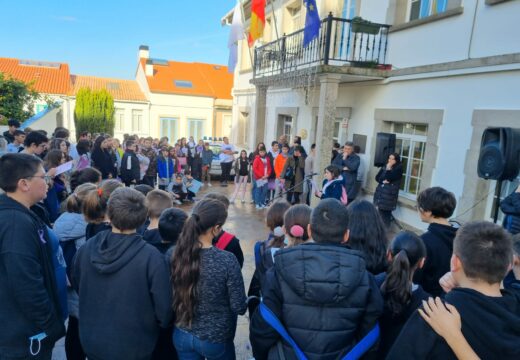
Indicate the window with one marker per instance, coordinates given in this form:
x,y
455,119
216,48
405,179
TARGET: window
x,y
285,126
337,127
137,121
119,119
294,20
169,126
243,128
410,145
195,128
183,84
40,108
422,8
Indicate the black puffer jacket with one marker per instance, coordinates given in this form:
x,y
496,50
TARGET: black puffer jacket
x,y
324,297
386,195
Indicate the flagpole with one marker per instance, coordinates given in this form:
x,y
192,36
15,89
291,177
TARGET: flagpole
x,y
274,19
243,28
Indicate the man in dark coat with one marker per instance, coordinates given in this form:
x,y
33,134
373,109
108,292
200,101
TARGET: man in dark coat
x,y
510,206
28,292
348,162
320,291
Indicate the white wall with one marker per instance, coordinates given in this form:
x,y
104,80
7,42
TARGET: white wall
x,y
496,29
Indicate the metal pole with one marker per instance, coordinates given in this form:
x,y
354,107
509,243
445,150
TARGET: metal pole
x,y
498,192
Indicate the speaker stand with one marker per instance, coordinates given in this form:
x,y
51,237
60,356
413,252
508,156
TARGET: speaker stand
x,y
498,192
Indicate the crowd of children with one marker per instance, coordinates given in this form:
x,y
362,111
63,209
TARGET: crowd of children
x,y
139,278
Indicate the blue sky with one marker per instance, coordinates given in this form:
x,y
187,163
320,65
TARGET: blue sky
x,y
101,38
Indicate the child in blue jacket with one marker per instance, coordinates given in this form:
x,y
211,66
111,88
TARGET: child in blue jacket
x,y
165,168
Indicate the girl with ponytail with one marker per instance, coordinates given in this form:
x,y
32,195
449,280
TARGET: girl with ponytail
x,y
94,207
296,221
265,250
402,297
208,287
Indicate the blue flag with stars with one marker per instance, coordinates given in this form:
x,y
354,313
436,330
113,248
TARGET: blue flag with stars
x,y
312,22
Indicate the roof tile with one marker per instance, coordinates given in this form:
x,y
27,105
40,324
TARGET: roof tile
x,y
127,90
207,79
48,80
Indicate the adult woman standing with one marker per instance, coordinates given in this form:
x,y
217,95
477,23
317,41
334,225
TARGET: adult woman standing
x,y
102,158
387,191
209,288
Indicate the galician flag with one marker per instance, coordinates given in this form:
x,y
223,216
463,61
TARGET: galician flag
x,y
235,35
256,29
312,22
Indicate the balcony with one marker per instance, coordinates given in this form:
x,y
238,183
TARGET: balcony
x,y
344,46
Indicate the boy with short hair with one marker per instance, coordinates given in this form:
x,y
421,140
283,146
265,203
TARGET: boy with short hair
x,y
178,189
482,254
130,170
171,223
321,292
157,201
435,206
35,143
17,144
31,305
123,285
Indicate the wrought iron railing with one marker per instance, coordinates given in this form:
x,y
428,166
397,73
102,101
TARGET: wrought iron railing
x,y
340,42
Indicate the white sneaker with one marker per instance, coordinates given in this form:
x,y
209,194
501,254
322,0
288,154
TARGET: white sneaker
x,y
257,207
209,184
243,201
178,202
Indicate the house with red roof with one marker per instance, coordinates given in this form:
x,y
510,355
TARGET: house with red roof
x,y
167,98
186,99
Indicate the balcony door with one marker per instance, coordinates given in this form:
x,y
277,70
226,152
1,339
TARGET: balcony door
x,y
350,10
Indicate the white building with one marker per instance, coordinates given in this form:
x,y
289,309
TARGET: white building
x,y
168,98
455,71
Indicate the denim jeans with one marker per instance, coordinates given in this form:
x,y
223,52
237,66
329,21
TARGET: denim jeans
x,y
260,194
190,347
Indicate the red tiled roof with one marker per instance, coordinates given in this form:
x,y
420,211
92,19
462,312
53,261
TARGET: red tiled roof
x,y
120,89
48,78
207,79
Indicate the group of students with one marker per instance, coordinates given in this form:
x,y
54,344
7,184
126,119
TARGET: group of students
x,y
140,279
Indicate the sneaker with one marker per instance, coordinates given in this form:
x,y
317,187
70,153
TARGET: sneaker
x,y
257,207
231,201
252,202
243,201
178,202
209,184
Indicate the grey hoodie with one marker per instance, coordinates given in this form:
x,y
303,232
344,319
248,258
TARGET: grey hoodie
x,y
125,296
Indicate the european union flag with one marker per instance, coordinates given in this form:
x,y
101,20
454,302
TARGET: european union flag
x,y
312,22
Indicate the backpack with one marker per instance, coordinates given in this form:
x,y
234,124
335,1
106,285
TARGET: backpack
x,y
224,240
355,353
289,173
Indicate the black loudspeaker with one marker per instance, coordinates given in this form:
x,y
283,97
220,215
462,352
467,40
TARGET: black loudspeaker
x,y
499,154
385,145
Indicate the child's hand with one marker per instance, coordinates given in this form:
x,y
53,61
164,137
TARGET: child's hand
x,y
442,317
447,282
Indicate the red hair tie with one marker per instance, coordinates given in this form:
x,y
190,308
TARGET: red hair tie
x,y
100,191
297,231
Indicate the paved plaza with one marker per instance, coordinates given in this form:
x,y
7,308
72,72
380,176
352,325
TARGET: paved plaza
x,y
248,225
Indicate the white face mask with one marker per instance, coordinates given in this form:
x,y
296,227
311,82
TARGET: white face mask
x,y
286,241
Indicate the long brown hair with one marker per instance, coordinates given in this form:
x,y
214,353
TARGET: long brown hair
x,y
95,203
186,258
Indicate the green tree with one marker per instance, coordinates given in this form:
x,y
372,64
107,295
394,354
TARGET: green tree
x,y
16,99
94,111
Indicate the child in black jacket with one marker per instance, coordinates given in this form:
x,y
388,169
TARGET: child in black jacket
x,y
402,297
130,171
482,254
120,267
435,206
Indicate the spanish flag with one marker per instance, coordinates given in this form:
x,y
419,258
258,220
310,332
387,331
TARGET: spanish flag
x,y
256,28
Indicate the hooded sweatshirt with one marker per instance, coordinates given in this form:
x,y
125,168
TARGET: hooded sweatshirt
x,y
324,297
28,291
438,241
491,326
125,295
